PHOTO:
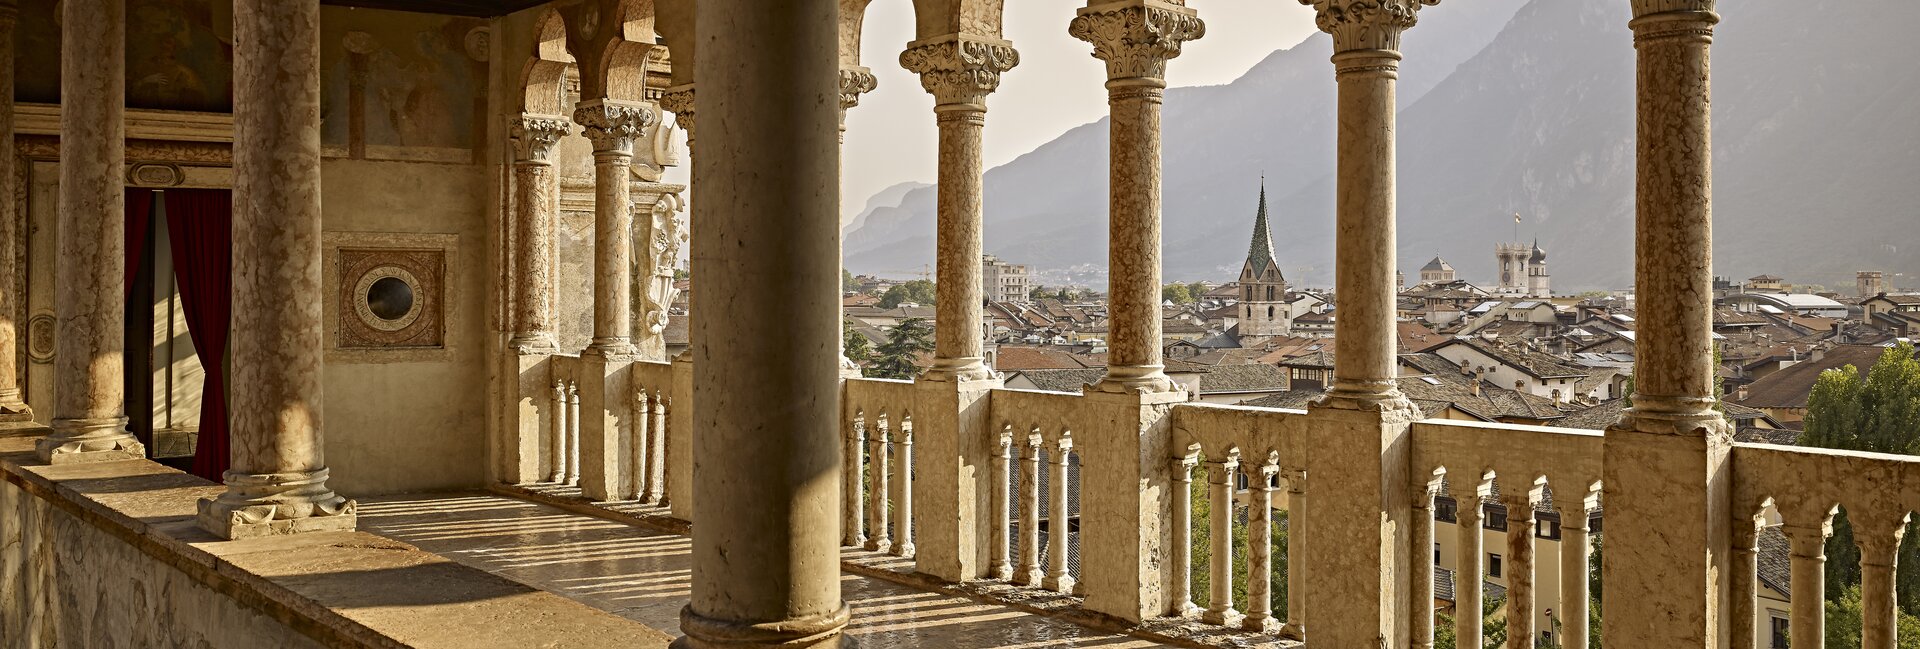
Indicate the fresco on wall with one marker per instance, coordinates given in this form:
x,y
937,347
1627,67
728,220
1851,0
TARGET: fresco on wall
x,y
401,85
179,54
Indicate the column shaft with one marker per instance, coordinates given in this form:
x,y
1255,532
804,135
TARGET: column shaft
x,y
277,483
1520,571
1879,552
1807,626
1297,566
12,406
1260,553
1364,333
1059,521
89,419
767,572
1420,602
1575,589
1183,536
1220,478
536,196
999,562
1469,558
1029,574
613,126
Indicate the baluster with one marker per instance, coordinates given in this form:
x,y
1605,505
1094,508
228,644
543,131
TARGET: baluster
x,y
573,433
854,495
642,421
999,564
1183,536
1029,573
1743,582
1808,543
1297,565
1059,521
1422,570
1879,540
1260,551
1576,553
903,488
1220,477
557,445
657,469
1519,499
1467,596
879,467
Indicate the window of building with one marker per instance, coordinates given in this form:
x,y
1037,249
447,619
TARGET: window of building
x,y
1436,554
1493,565
1778,628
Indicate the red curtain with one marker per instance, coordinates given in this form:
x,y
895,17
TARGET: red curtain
x,y
139,218
200,227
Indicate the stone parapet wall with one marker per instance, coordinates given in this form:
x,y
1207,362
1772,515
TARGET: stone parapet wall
x,y
108,555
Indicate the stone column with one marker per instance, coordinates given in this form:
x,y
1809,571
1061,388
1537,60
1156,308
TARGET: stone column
x,y
959,71
679,100
1575,553
1182,497
12,406
1420,601
1879,538
1135,38
1297,539
1059,519
89,419
1260,551
1520,567
277,484
1362,423
1220,486
1469,561
613,126
1666,483
1808,557
535,201
767,572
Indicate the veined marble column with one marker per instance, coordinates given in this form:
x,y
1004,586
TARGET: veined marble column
x,y
12,406
1665,484
766,571
278,480
89,416
613,126
1135,38
536,192
959,71
1520,566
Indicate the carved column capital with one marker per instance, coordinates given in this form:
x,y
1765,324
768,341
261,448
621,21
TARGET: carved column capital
x,y
1644,8
614,125
855,81
535,136
1673,19
1136,37
679,101
959,69
1366,24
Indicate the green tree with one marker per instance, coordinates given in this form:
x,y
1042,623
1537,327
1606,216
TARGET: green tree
x,y
1040,293
1068,294
1845,615
858,349
907,340
847,283
1176,293
1493,626
918,291
1197,290
1876,412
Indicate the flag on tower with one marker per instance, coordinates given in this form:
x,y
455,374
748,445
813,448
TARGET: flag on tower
x,y
1516,217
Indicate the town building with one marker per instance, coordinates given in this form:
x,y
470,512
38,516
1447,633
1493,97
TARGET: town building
x,y
1005,282
1437,271
1868,283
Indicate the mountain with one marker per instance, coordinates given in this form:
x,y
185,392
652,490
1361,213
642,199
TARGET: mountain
x,y
1506,106
886,200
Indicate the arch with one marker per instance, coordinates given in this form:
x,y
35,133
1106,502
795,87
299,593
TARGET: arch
x,y
613,41
543,80
934,18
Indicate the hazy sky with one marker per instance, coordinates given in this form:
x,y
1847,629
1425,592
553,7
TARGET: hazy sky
x,y
1058,85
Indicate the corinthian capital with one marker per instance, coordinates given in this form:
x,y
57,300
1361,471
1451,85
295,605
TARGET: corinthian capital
x,y
855,81
1136,37
679,100
613,125
534,137
959,69
1366,24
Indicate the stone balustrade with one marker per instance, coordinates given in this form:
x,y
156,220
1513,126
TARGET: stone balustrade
x,y
1260,448
1034,459
878,511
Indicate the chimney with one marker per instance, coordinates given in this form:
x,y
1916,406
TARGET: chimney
x,y
1740,393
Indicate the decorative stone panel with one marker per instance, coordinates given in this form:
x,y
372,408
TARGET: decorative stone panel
x,y
389,297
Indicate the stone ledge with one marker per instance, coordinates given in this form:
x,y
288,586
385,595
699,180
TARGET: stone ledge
x,y
345,589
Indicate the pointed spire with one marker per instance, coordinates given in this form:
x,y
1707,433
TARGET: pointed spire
x,y
1260,250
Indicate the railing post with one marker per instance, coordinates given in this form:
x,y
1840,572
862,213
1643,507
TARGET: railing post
x,y
1260,550
1298,540
1220,487
1183,536
1878,535
954,439
1575,553
1667,482
606,406
853,493
680,436
879,481
1420,600
1059,519
1470,555
1126,501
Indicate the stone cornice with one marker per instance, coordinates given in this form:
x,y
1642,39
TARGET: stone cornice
x,y
613,125
1366,24
534,137
855,81
1136,37
960,69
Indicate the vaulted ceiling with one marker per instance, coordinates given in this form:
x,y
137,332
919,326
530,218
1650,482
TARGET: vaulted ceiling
x,y
479,8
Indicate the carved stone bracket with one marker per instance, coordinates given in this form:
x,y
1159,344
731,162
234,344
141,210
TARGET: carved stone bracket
x,y
1366,24
960,69
855,81
1137,37
535,136
612,125
679,101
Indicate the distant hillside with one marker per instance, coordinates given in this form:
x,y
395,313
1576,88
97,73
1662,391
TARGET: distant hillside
x,y
1507,106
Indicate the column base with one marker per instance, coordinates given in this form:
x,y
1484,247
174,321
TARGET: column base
x,y
12,408
77,441
533,344
1293,631
619,348
277,504
1228,617
821,632
1062,584
958,370
1136,379
1368,398
1260,623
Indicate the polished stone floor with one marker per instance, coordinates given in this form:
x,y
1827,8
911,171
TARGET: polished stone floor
x,y
644,575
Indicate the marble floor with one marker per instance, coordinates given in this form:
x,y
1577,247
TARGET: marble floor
x,y
644,575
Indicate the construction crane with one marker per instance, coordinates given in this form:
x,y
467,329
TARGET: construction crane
x,y
925,272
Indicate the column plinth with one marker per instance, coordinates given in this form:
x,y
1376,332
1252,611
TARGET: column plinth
x,y
536,191
1135,38
89,418
613,127
277,482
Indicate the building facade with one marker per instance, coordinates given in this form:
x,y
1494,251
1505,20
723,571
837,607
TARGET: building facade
x,y
1005,282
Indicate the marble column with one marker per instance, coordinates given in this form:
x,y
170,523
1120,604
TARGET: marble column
x,y
1520,567
1220,487
1575,588
612,126
767,572
535,202
1420,600
1135,38
1879,538
1360,430
278,480
1807,556
959,71
89,418
1469,560
1182,496
1260,551
12,406
1666,485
